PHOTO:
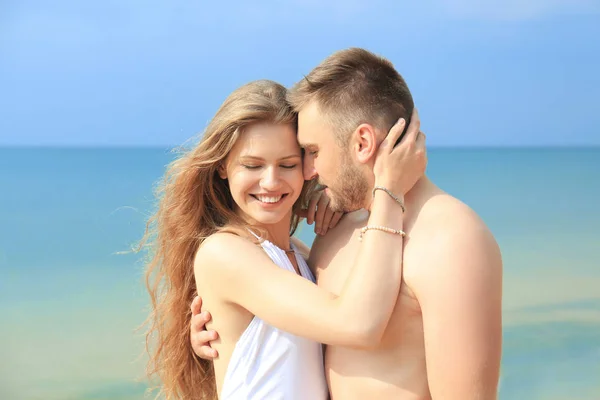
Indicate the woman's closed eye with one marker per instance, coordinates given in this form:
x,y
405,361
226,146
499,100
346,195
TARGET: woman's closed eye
x,y
292,166
254,167
251,166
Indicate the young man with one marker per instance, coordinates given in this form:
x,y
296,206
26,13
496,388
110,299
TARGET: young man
x,y
444,338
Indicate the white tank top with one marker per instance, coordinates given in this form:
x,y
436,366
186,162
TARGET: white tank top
x,y
268,363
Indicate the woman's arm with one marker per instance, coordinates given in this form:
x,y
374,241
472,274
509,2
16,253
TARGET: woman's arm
x,y
247,277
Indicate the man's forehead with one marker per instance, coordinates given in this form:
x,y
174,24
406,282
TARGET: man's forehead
x,y
304,140
310,125
310,113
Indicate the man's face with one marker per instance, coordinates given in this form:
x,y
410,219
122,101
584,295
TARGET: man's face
x,y
333,165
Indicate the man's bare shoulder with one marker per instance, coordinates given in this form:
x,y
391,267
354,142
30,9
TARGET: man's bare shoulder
x,y
444,211
448,236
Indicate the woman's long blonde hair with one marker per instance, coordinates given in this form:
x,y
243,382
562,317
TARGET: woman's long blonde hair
x,y
194,203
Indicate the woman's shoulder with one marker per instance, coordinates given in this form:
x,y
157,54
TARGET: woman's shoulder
x,y
224,248
226,241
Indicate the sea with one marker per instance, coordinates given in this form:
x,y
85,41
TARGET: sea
x,y
72,295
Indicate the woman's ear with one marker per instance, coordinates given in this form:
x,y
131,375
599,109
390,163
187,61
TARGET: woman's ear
x,y
222,170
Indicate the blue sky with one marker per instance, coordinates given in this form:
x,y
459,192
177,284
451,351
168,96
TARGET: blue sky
x,y
128,73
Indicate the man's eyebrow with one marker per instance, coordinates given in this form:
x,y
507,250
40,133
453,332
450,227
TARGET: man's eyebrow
x,y
308,146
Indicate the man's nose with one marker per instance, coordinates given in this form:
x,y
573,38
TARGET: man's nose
x,y
309,170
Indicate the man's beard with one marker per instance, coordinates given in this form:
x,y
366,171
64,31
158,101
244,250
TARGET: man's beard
x,y
348,191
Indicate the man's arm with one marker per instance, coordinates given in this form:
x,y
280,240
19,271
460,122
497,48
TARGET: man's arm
x,y
459,288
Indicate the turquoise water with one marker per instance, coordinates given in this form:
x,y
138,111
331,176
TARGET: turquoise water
x,y
70,302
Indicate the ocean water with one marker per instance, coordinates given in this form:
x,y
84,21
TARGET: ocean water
x,y
70,300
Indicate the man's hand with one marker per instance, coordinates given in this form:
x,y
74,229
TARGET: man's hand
x,y
199,336
320,213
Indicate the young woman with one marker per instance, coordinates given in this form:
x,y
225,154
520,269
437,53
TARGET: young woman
x,y
223,229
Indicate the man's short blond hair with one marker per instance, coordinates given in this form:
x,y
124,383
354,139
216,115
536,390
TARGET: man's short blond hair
x,y
352,87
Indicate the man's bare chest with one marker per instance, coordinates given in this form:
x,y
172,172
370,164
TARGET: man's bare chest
x,y
332,274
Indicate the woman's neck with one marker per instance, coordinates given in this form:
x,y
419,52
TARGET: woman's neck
x,y
278,233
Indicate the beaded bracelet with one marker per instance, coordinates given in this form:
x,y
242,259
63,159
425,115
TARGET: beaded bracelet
x,y
364,229
392,195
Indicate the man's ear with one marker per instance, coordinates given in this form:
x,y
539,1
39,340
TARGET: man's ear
x,y
364,143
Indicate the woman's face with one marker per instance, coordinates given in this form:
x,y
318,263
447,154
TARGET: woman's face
x,y
264,172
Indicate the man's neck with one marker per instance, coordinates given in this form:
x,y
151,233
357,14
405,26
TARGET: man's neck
x,y
413,194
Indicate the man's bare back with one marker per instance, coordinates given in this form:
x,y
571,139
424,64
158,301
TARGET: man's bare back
x,y
398,366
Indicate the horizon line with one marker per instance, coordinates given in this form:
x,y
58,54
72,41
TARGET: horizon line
x,y
172,147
